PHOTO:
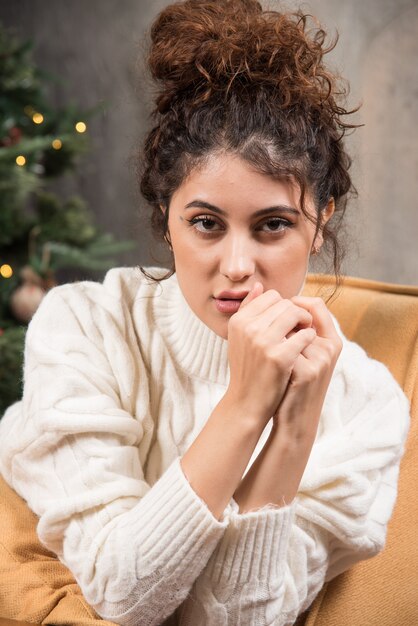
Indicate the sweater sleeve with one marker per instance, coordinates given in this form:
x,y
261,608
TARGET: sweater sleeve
x,y
71,451
270,564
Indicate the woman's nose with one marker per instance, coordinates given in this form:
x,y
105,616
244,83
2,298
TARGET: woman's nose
x,y
237,258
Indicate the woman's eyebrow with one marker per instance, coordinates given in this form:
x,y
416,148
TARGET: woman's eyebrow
x,y
201,204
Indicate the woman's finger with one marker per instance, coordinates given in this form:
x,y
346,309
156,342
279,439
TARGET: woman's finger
x,y
260,303
321,316
297,343
256,291
285,308
282,319
320,350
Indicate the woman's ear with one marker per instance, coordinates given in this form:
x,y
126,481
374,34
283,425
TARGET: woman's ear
x,y
326,215
328,212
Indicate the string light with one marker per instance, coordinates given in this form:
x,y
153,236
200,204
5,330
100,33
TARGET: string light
x,y
20,160
6,271
38,118
81,127
29,110
57,144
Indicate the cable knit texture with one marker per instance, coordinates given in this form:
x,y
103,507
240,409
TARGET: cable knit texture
x,y
119,379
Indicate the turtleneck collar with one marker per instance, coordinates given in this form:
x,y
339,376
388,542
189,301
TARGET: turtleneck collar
x,y
197,349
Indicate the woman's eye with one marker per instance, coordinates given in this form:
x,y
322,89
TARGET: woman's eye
x,y
274,225
204,224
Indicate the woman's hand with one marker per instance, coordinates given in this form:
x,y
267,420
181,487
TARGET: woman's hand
x,y
275,475
261,357
297,417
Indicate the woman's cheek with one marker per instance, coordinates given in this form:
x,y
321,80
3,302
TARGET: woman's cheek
x,y
290,268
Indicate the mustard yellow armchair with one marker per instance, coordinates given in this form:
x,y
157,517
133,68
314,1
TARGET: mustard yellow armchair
x,y
383,318
382,591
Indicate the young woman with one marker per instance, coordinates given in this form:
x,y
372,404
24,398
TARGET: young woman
x,y
206,447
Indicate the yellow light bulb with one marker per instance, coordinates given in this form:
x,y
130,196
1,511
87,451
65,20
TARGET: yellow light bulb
x,y
6,271
20,160
57,144
81,127
38,118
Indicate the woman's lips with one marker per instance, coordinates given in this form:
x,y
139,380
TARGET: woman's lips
x,y
227,306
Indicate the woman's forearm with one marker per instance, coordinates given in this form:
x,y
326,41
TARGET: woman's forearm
x,y
215,462
275,475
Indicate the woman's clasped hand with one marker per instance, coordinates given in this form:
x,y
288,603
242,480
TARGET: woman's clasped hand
x,y
282,353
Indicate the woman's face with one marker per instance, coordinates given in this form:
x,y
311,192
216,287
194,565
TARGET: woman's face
x,y
230,227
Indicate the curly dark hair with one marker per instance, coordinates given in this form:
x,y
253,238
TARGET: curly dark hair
x,y
235,78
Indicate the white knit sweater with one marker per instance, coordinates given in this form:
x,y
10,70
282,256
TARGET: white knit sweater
x,y
119,379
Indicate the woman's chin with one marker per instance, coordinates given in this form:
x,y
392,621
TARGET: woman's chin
x,y
219,326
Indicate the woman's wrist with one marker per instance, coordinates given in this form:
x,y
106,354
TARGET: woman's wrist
x,y
249,413
294,436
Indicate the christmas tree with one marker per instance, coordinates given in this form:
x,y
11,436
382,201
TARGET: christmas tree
x,y
40,232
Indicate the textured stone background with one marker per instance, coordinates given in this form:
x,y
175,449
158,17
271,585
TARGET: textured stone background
x,y
95,47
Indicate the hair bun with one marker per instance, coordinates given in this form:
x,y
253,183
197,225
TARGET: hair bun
x,y
200,47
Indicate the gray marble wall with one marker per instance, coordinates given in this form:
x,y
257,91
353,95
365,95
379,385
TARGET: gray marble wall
x,y
95,49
